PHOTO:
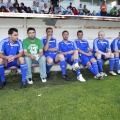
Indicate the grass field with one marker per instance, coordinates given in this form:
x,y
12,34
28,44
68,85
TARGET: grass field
x,y
61,100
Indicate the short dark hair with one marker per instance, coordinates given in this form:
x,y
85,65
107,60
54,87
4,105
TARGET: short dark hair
x,y
64,32
22,3
30,28
11,30
79,31
48,28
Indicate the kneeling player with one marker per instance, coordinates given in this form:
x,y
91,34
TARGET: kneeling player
x,y
115,47
101,50
86,56
11,55
67,49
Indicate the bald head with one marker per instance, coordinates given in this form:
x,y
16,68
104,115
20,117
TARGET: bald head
x,y
101,35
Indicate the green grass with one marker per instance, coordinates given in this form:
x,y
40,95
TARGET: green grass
x,y
61,100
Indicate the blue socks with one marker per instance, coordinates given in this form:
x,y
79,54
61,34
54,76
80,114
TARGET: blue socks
x,y
75,61
99,61
90,68
2,70
111,62
78,72
95,68
48,67
23,69
117,63
63,66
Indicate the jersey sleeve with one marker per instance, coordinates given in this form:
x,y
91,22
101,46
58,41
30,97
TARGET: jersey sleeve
x,y
115,46
24,45
59,47
88,45
2,48
40,45
95,45
75,44
20,48
43,42
108,45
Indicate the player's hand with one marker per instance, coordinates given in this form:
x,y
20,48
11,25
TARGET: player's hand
x,y
32,57
89,54
11,59
49,37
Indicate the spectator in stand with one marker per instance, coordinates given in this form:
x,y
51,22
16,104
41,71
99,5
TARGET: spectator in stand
x,y
85,10
9,4
57,9
42,3
80,9
93,13
113,12
17,8
45,9
42,12
37,8
11,9
29,10
2,4
100,3
15,1
74,11
88,13
34,5
119,12
70,6
55,3
51,9
23,8
59,13
3,9
103,8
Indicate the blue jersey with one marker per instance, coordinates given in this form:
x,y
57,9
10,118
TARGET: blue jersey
x,y
82,45
8,48
101,45
115,45
52,44
66,46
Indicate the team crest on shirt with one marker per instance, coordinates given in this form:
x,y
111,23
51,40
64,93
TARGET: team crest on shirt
x,y
33,49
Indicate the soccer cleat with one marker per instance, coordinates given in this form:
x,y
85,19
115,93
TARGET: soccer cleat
x,y
23,85
2,84
29,81
98,76
112,73
80,78
75,67
65,77
44,80
103,74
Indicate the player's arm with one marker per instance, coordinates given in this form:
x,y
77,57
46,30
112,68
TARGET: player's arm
x,y
53,49
3,56
40,53
69,52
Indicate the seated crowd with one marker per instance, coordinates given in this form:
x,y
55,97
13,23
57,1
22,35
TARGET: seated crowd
x,y
41,7
46,52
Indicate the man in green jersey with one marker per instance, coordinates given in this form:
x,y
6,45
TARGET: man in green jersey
x,y
33,51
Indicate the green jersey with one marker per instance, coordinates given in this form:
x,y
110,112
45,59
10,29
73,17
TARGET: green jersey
x,y
32,47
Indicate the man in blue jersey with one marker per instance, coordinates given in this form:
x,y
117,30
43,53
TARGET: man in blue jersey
x,y
51,53
86,56
11,55
115,47
102,51
67,49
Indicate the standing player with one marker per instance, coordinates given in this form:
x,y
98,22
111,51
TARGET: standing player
x,y
51,53
115,47
67,49
11,55
101,50
33,51
86,56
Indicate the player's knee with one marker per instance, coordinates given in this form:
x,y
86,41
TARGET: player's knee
x,y
116,54
112,55
21,60
1,61
60,57
49,60
88,64
98,55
